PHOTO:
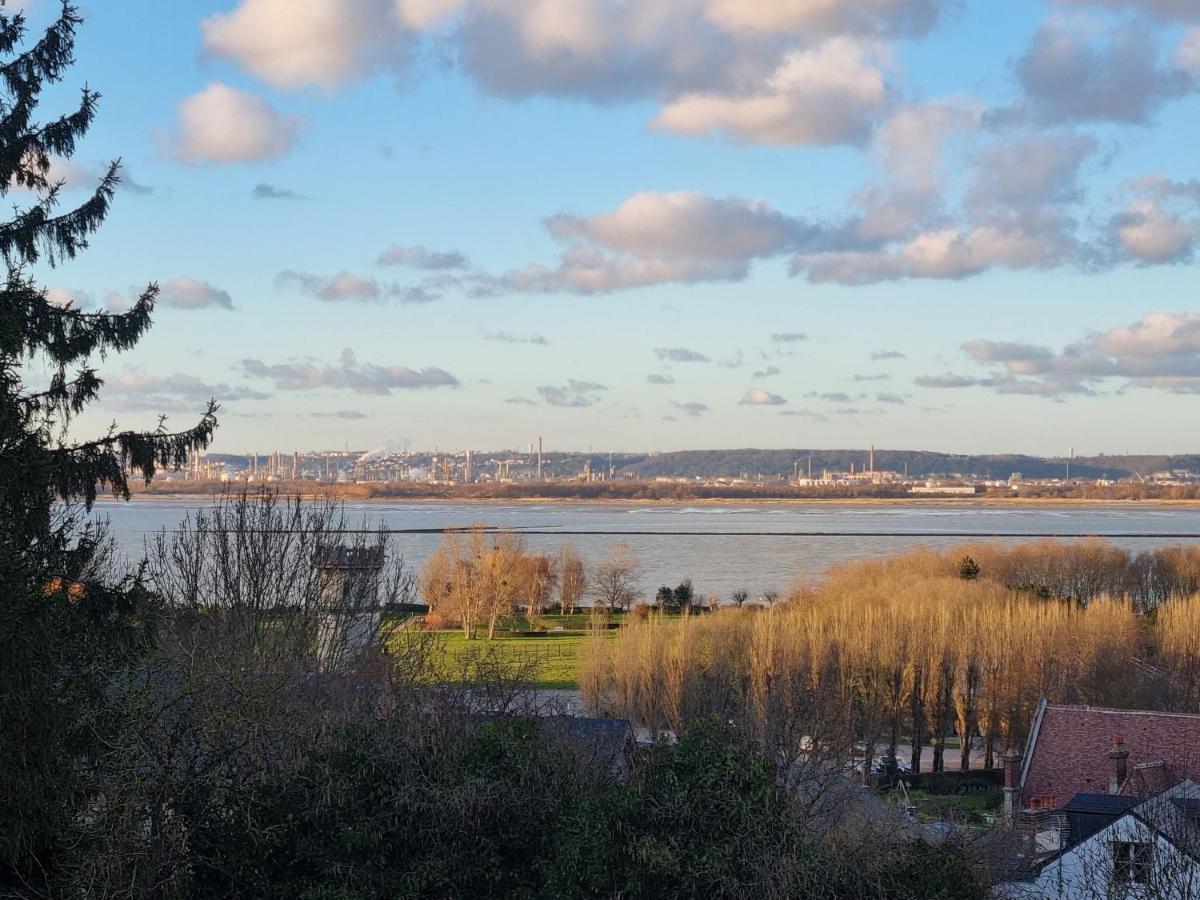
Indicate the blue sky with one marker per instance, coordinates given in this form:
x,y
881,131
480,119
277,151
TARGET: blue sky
x,y
654,225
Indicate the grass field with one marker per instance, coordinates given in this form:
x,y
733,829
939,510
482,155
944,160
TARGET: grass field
x,y
554,654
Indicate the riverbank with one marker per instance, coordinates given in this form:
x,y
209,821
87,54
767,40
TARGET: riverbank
x,y
981,501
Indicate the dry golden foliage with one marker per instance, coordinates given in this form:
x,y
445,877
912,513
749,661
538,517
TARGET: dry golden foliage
x,y
905,651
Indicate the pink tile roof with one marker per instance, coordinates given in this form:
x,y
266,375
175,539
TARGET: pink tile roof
x,y
1068,752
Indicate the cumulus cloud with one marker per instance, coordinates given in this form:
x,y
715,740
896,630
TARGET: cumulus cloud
x,y
185,292
768,372
1068,75
1161,223
887,397
1166,9
829,397
419,257
574,394
758,397
829,94
884,17
1159,351
221,124
679,355
685,225
133,389
657,378
655,237
878,355
264,191
693,409
347,374
341,414
348,287
953,252
297,43
507,337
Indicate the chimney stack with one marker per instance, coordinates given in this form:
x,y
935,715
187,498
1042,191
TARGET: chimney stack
x,y
1012,784
1120,759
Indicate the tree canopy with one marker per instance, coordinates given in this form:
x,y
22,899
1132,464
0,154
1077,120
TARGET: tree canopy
x,y
61,612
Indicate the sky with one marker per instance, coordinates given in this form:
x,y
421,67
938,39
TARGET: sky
x,y
955,225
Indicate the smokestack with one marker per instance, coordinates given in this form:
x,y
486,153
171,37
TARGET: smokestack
x,y
1119,755
872,459
539,457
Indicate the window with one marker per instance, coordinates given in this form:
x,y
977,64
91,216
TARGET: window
x,y
1131,862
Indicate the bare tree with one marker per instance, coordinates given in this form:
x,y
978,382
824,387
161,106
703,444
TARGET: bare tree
x,y
614,580
572,578
539,577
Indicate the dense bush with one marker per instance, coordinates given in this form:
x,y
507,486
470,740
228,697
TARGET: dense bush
x,y
501,809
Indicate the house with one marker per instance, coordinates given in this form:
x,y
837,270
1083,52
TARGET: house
x,y
1106,803
1123,848
1089,750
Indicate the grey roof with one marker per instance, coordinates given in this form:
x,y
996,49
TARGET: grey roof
x,y
1101,804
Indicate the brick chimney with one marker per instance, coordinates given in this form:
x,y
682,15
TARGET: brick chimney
x,y
1012,783
1120,758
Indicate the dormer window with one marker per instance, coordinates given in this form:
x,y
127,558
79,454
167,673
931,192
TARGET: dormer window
x,y
1132,862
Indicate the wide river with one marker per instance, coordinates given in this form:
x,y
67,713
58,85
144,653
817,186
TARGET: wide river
x,y
724,547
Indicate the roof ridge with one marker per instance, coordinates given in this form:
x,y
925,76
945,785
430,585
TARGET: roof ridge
x,y
1129,712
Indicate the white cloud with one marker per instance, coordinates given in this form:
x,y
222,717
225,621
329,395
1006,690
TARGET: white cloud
x,y
420,15
185,292
1187,54
419,257
829,94
1161,224
1150,234
1167,9
1161,351
890,17
221,124
758,397
348,287
135,390
1068,76
685,225
347,374
575,394
297,43
946,253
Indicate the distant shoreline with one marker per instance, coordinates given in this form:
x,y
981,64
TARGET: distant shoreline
x,y
982,501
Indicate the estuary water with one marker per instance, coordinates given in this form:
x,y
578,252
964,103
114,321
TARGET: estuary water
x,y
727,546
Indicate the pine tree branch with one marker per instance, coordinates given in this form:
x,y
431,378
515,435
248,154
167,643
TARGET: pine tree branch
x,y
46,60
30,324
25,152
35,232
107,461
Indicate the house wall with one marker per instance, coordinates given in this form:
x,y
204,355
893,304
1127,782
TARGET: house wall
x,y
1085,872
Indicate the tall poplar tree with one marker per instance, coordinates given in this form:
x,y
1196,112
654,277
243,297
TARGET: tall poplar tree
x,y
62,619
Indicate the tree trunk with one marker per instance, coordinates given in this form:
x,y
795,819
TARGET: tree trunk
x,y
917,706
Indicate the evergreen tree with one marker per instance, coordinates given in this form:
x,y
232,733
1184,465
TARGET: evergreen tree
x,y
61,620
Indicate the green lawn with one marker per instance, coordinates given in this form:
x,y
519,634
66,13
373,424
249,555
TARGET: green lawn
x,y
556,655
975,808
